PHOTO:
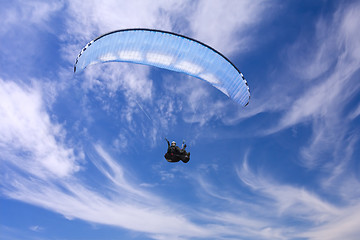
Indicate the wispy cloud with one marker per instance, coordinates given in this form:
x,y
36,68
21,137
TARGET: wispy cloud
x,y
125,203
26,130
344,226
303,206
289,200
40,167
324,102
34,144
36,228
322,81
314,85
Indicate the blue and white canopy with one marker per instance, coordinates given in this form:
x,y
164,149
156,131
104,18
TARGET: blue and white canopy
x,y
169,51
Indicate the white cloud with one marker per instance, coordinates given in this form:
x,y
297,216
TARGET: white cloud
x,y
323,219
121,203
225,25
25,36
195,101
30,140
26,13
120,143
320,99
322,78
87,21
124,203
288,199
95,18
26,130
355,113
131,79
344,226
311,62
36,228
321,102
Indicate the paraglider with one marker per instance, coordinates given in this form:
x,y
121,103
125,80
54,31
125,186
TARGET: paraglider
x,y
175,154
170,51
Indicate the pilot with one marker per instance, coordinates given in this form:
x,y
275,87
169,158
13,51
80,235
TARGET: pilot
x,y
175,154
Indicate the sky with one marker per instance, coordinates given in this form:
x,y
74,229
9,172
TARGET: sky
x,y
81,155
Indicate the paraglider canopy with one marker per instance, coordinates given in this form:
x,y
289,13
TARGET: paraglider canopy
x,y
169,51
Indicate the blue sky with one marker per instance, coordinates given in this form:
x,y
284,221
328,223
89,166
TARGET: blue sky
x,y
82,155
